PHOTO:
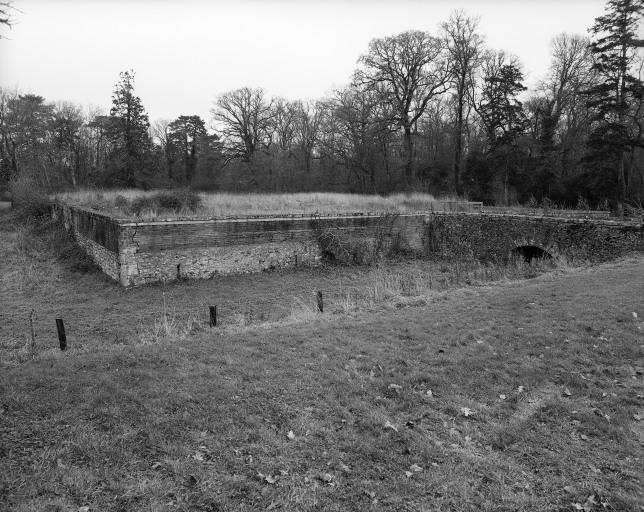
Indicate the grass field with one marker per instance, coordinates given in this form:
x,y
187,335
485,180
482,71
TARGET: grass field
x,y
511,395
120,202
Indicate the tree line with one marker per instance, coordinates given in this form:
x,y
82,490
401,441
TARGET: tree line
x,y
440,113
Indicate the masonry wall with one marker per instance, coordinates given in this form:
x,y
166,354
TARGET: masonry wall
x,y
156,251
137,253
493,237
95,233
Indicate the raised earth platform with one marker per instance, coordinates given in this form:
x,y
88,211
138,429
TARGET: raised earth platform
x,y
135,253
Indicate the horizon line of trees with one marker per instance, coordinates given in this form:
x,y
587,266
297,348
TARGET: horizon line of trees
x,y
435,113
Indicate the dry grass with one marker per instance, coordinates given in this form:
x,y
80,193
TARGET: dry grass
x,y
225,205
548,371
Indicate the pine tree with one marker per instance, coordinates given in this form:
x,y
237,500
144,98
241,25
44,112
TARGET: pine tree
x,y
128,133
614,52
502,114
185,135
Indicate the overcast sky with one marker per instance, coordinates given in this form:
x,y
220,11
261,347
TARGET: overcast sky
x,y
187,52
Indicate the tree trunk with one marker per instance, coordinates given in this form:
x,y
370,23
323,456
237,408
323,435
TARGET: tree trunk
x,y
621,186
408,157
458,147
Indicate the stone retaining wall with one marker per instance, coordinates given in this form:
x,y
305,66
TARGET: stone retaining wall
x,y
95,233
142,252
493,237
154,251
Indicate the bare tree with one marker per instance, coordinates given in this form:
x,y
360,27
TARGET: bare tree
x,y
245,118
409,69
283,129
356,129
159,134
570,73
307,126
465,50
5,16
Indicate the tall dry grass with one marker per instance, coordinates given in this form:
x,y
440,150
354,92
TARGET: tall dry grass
x,y
225,205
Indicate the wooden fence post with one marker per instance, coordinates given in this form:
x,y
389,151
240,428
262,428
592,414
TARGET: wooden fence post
x,y
320,302
32,348
61,333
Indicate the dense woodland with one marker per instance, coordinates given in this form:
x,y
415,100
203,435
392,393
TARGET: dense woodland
x,y
435,112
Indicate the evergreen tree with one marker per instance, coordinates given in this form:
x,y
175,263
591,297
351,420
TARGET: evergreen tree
x,y
501,112
614,50
129,135
185,135
502,115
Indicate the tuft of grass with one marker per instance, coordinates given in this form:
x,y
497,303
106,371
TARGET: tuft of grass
x,y
150,205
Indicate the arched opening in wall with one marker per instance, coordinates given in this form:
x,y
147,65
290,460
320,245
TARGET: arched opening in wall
x,y
531,252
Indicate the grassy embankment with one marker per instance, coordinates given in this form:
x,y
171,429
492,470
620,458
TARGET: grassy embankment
x,y
129,203
515,395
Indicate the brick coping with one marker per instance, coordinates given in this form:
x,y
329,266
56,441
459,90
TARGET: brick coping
x,y
124,221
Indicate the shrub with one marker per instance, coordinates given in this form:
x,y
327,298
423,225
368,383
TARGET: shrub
x,y
548,204
29,199
170,201
582,203
143,203
347,249
120,201
189,199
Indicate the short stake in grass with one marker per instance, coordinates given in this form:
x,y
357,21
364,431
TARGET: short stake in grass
x,y
32,347
213,316
320,302
62,338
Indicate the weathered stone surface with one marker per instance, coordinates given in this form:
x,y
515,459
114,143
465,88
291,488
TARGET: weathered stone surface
x,y
136,253
96,234
492,237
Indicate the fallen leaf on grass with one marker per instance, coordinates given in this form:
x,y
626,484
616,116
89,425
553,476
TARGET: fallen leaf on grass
x,y
267,478
429,393
390,425
588,505
415,468
83,509
327,478
290,434
638,416
408,474
395,387
502,396
371,494
601,414
345,468
567,392
198,456
466,411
